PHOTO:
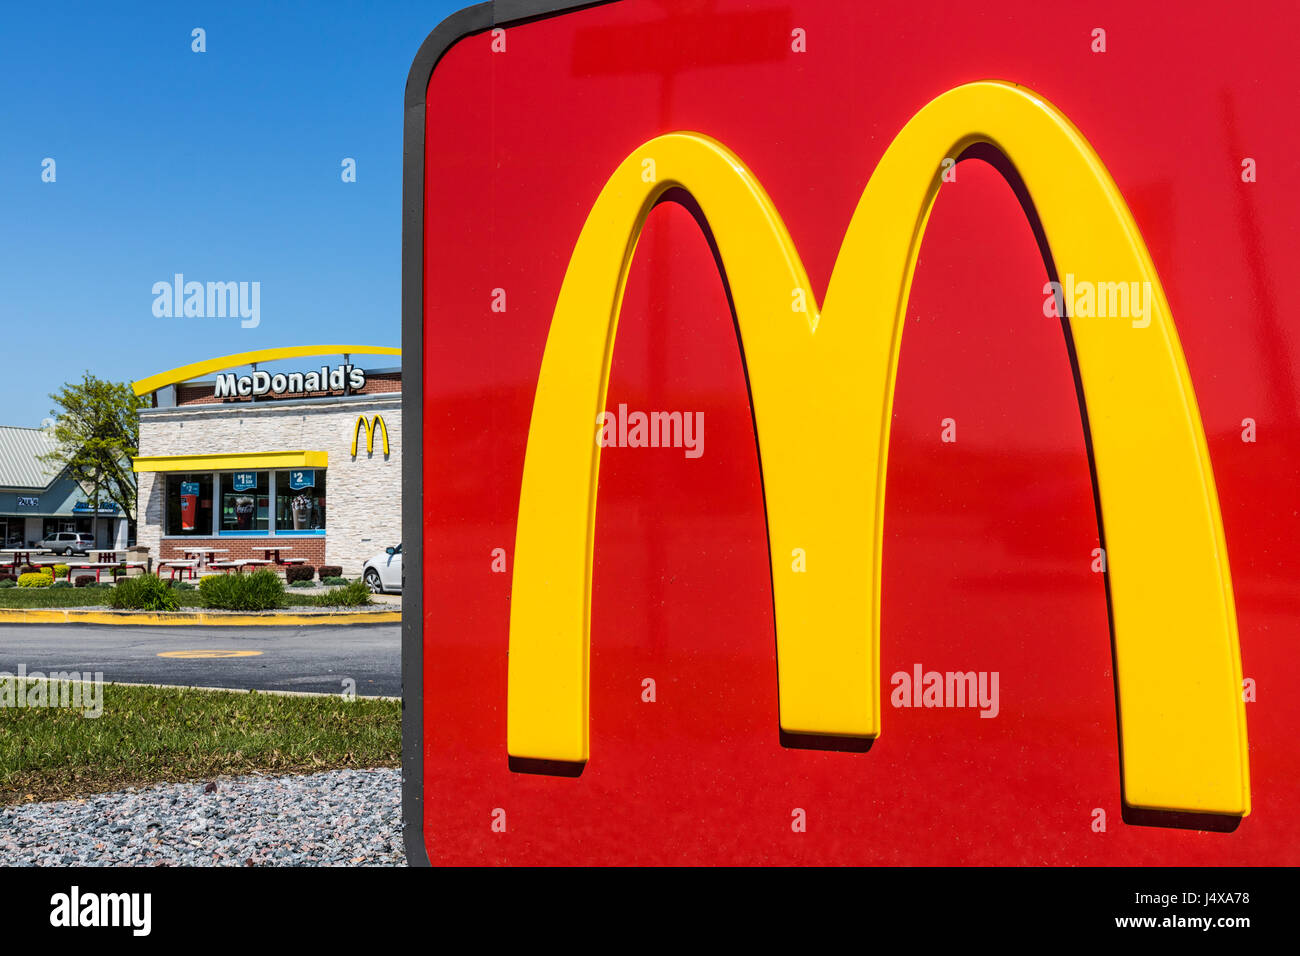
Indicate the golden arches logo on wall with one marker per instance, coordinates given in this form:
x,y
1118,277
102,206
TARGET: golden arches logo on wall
x,y
817,374
375,424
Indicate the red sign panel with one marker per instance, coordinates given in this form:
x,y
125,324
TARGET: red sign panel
x,y
851,434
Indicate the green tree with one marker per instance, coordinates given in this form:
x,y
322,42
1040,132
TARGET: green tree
x,y
97,434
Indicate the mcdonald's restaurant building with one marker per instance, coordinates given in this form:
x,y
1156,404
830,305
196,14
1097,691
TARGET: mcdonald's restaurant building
x,y
304,456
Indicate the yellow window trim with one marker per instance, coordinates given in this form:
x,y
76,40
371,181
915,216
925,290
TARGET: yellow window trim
x,y
246,461
198,369
818,374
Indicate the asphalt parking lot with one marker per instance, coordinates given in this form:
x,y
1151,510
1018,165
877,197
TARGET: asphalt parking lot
x,y
303,658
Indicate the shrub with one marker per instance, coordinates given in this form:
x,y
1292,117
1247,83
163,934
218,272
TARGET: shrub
x,y
352,594
28,569
61,584
330,571
84,581
301,584
179,585
148,592
34,580
299,572
8,583
259,591
7,576
333,581
60,570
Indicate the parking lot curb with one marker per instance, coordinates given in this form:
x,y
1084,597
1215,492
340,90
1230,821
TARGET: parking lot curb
x,y
192,618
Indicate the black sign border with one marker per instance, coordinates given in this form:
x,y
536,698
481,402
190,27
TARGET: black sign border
x,y
479,18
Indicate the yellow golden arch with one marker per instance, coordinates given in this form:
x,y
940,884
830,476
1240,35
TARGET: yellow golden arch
x,y
375,423
819,374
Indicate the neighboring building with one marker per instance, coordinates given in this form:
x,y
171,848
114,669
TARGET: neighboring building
x,y
37,499
308,460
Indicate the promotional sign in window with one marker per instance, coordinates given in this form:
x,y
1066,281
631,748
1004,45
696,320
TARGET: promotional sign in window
x,y
302,479
244,480
832,436
189,504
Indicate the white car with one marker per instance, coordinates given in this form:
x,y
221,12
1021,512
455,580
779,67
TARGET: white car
x,y
383,572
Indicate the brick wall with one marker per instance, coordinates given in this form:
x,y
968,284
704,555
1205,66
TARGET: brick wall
x,y
363,494
313,549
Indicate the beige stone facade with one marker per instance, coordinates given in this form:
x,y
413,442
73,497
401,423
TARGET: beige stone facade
x,y
363,493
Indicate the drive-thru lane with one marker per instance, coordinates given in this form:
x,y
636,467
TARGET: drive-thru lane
x,y
316,659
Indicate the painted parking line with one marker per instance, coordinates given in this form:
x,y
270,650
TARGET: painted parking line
x,y
208,654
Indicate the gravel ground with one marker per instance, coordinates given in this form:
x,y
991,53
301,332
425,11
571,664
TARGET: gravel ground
x,y
335,818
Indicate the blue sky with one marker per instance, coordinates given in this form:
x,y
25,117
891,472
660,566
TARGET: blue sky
x,y
223,165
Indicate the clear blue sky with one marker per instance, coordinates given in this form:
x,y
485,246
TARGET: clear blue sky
x,y
223,165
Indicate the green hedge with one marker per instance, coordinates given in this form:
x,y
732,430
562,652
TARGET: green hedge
x,y
259,591
148,592
353,594
35,579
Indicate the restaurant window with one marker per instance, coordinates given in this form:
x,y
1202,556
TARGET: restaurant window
x,y
299,501
189,504
245,501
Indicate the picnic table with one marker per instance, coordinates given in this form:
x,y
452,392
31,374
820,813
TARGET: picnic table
x,y
273,552
236,565
53,563
204,555
182,566
96,566
21,555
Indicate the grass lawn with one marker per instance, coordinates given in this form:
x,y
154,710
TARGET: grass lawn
x,y
149,735
64,597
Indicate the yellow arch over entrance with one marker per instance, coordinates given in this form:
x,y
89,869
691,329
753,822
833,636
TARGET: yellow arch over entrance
x,y
198,369
825,372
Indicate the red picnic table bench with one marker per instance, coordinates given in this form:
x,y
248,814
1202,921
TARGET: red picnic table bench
x,y
237,565
178,566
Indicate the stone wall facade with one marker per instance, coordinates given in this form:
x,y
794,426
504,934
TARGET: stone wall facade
x,y
363,494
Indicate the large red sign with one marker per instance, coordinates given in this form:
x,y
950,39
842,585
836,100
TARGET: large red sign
x,y
851,433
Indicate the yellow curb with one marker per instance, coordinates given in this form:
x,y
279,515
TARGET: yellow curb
x,y
165,618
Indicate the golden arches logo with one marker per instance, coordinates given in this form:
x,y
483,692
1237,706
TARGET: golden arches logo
x,y
370,427
821,373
